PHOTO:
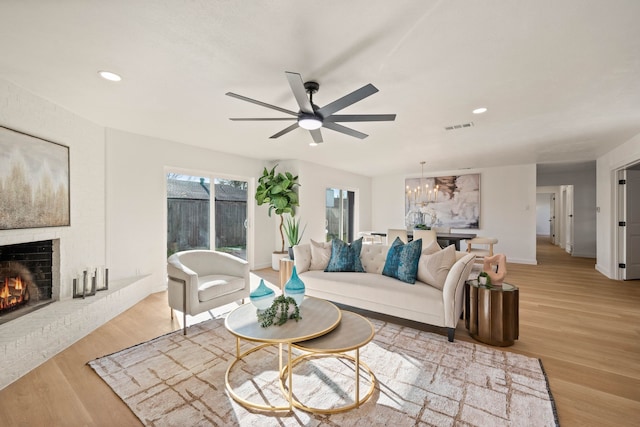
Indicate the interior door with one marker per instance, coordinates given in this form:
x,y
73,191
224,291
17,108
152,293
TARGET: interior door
x,y
631,196
569,213
552,219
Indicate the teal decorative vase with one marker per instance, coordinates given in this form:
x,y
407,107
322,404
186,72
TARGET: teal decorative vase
x,y
294,288
262,296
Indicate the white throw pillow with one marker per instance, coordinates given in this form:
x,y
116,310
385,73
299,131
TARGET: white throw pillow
x,y
433,269
320,255
431,248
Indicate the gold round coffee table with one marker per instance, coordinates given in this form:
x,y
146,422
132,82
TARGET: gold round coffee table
x,y
353,332
318,318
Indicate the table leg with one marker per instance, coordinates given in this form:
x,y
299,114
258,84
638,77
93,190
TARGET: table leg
x,y
357,399
290,372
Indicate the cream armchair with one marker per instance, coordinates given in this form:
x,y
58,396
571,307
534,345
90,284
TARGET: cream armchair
x,y
200,280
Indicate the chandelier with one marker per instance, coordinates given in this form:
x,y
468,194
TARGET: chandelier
x,y
422,195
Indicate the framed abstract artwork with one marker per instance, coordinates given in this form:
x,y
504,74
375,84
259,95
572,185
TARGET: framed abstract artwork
x,y
443,201
34,182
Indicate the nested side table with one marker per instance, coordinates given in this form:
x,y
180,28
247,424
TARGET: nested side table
x,y
491,313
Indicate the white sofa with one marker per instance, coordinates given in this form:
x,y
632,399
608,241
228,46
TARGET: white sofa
x,y
375,292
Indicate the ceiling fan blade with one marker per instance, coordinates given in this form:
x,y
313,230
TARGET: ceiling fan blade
x,y
297,86
361,118
345,101
317,135
286,130
344,129
263,104
260,119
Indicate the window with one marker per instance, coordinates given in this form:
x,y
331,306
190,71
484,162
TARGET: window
x,y
340,207
189,213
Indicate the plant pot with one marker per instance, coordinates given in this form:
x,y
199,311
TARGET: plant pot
x,y
291,253
275,259
482,280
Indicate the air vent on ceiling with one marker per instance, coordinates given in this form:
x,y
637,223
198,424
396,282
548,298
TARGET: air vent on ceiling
x,y
460,126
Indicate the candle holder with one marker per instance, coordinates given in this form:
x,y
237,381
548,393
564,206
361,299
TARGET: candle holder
x,y
102,278
85,284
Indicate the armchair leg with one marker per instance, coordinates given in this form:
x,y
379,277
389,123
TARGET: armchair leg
x,y
184,322
171,310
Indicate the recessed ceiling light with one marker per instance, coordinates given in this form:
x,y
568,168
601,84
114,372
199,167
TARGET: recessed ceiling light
x,y
313,144
108,75
480,110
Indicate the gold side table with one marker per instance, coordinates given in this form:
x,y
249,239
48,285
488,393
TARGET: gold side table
x,y
286,268
491,313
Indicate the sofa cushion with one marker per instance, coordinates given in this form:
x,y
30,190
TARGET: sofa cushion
x,y
402,260
373,258
217,285
320,255
345,257
433,269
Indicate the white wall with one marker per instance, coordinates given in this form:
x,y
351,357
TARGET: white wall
x,y
507,207
83,243
136,199
606,185
584,205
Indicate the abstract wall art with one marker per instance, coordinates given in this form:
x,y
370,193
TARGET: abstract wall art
x,y
443,201
34,182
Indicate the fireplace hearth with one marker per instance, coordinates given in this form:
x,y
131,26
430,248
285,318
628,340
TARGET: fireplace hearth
x,y
26,278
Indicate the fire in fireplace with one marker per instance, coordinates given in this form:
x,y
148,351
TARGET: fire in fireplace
x,y
17,281
25,277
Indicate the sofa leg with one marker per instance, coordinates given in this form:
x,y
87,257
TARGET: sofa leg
x,y
171,309
451,332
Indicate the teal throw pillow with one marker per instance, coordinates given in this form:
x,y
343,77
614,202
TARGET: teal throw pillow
x,y
345,257
402,260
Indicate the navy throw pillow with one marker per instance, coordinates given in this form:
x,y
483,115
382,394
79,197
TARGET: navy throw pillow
x,y
345,257
402,260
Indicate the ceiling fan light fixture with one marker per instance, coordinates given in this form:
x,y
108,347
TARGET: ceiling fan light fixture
x,y
310,122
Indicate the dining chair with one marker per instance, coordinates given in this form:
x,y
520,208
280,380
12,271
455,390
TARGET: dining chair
x,y
392,233
483,247
427,236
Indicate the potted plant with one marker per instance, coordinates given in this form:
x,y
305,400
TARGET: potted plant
x,y
484,279
278,191
293,233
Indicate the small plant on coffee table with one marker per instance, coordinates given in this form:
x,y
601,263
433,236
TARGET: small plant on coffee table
x,y
278,313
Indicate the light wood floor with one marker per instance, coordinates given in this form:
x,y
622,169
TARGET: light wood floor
x,y
584,327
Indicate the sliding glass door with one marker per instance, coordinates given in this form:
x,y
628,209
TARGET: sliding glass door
x,y
194,222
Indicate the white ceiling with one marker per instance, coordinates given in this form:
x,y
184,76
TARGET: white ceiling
x,y
561,79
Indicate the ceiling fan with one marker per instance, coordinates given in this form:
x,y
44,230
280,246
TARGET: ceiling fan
x,y
312,117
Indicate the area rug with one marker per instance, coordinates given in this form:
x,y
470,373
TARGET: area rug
x,y
420,380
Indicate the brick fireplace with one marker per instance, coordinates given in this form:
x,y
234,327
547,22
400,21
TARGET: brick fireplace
x,y
26,278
